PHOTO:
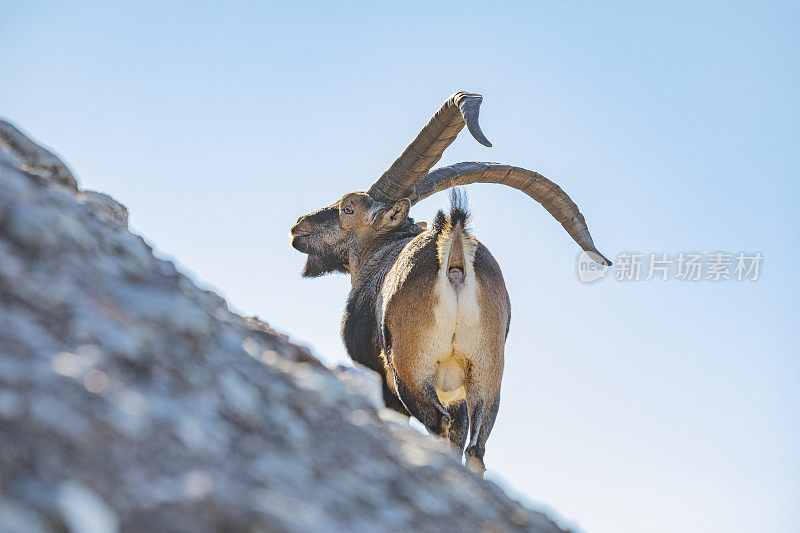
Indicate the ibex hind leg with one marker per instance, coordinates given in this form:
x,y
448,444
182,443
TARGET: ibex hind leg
x,y
482,414
392,401
459,430
421,401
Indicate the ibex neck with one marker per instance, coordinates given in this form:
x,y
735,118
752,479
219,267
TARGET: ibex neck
x,y
367,252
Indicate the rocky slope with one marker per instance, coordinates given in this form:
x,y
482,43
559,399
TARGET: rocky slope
x,y
132,400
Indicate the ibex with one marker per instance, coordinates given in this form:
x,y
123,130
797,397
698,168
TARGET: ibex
x,y
428,308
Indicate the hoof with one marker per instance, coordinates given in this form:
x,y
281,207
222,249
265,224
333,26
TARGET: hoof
x,y
476,465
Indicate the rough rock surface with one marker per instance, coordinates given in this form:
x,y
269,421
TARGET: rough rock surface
x,y
132,400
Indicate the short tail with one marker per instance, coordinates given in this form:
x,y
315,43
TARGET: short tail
x,y
459,216
459,208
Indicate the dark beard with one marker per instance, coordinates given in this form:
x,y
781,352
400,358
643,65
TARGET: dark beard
x,y
318,266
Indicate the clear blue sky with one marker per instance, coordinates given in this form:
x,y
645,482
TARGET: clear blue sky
x,y
628,407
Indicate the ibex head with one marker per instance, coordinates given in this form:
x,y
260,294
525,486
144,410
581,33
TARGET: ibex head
x,y
331,235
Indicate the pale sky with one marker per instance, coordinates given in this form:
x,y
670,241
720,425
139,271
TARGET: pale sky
x,y
649,406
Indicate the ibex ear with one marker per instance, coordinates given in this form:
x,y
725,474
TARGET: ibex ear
x,y
396,214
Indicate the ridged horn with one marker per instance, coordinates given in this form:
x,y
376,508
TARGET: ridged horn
x,y
425,151
541,189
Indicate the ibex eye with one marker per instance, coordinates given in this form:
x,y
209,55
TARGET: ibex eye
x,y
348,210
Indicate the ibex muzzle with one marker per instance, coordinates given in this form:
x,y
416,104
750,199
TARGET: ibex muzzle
x,y
428,308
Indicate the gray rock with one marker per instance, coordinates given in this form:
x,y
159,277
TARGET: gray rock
x,y
131,400
104,205
33,158
84,511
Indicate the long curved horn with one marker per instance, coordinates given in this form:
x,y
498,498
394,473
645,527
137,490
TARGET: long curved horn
x,y
531,183
427,148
